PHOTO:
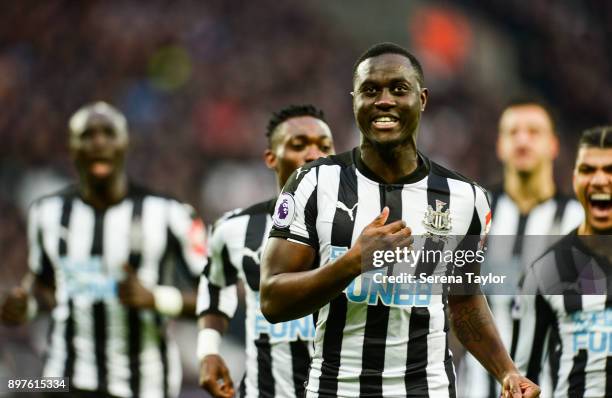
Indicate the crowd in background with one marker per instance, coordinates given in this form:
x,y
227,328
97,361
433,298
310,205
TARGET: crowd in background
x,y
198,81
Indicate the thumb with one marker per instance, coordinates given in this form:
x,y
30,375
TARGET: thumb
x,y
381,219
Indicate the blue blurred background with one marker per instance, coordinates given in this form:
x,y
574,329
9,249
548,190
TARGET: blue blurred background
x,y
198,80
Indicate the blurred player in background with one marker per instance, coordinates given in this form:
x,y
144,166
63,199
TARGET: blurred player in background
x,y
369,343
528,203
102,256
278,355
572,283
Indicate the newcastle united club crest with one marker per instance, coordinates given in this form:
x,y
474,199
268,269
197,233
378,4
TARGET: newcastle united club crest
x,y
438,221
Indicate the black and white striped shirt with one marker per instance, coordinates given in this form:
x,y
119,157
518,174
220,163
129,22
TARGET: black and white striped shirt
x,y
93,339
568,291
368,343
277,355
508,238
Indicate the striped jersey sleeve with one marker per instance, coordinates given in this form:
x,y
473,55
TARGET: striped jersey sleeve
x,y
188,230
217,291
295,211
38,261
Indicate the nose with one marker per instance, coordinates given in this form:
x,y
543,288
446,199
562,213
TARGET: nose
x,y
99,139
313,153
600,178
385,100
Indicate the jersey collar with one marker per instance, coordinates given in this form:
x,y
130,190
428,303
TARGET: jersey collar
x,y
421,171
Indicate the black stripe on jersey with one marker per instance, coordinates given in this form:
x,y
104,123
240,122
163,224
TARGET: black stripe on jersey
x,y
543,320
517,249
163,352
416,363
300,358
99,316
229,272
62,252
47,274
341,235
577,376
265,380
99,311
608,378
133,315
377,318
310,216
568,274
242,391
256,228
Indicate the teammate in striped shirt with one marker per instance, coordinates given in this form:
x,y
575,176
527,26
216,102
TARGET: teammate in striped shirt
x,y
528,203
277,355
569,289
103,252
371,342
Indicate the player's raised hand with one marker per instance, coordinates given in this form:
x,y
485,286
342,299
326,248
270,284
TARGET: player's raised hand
x,y
212,370
132,293
516,386
381,236
14,308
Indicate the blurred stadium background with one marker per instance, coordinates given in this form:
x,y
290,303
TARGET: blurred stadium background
x,y
197,81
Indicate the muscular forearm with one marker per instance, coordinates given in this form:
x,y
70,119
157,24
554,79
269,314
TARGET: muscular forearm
x,y
473,325
293,295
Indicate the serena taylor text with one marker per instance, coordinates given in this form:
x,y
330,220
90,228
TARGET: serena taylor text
x,y
470,277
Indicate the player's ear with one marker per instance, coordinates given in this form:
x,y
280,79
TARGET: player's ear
x,y
424,95
270,158
554,146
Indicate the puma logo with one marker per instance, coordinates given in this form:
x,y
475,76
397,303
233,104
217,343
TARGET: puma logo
x,y
255,255
348,211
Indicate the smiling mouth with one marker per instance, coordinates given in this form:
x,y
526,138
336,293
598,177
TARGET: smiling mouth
x,y
600,203
385,122
100,168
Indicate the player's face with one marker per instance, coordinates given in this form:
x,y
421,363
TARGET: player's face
x,y
99,150
388,100
526,138
593,187
297,141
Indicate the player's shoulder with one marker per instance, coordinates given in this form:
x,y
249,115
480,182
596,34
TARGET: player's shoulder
x,y
68,192
558,251
232,219
439,170
309,172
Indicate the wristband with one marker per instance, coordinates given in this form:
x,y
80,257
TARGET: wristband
x,y
32,309
209,341
168,300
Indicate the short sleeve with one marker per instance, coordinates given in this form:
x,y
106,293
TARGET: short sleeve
x,y
295,211
188,229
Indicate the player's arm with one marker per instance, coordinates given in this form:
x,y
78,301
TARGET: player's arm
x,y
473,325
37,288
187,237
291,289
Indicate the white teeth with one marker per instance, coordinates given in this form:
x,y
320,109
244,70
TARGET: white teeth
x,y
600,196
384,119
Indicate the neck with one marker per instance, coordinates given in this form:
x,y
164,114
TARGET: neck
x,y
390,163
104,194
529,190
